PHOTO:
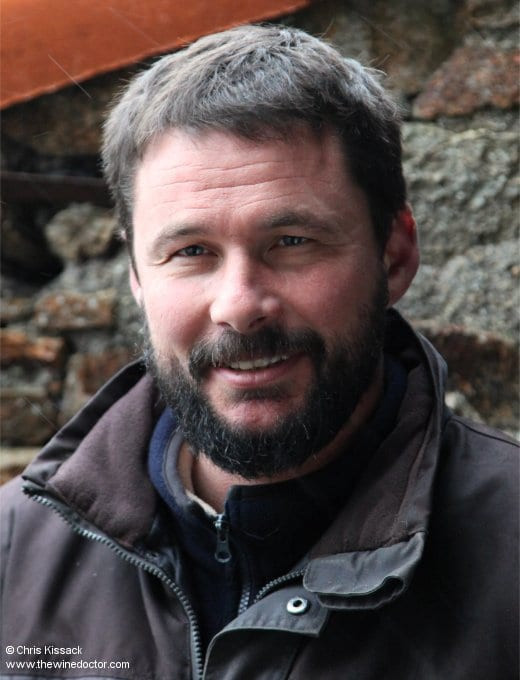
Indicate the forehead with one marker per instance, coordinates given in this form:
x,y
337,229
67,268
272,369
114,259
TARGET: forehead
x,y
217,178
178,149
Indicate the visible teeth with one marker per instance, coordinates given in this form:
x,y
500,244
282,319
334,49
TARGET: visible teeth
x,y
256,363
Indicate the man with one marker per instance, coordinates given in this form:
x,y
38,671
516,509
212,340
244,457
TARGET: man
x,y
280,492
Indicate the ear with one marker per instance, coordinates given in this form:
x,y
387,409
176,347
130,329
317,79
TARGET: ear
x,y
401,255
135,286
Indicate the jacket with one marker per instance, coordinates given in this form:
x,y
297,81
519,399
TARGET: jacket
x,y
417,577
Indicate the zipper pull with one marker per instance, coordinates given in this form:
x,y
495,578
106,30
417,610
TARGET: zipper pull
x,y
222,550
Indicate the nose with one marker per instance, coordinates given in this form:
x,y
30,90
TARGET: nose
x,y
244,297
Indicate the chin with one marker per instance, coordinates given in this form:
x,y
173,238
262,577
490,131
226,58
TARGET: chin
x,y
254,418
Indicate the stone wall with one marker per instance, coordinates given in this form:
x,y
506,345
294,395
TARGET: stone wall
x,y
68,319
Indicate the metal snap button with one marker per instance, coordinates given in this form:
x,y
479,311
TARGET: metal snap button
x,y
297,605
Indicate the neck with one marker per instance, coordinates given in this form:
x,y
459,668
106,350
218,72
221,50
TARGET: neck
x,y
210,483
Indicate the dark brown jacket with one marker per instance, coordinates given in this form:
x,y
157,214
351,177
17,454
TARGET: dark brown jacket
x,y
416,579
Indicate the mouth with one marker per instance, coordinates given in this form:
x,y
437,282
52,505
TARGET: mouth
x,y
257,372
254,364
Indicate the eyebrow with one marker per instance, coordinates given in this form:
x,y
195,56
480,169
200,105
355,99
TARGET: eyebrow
x,y
301,218
289,218
172,232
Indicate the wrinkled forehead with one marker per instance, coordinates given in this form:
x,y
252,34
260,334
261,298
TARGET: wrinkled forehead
x,y
222,160
207,147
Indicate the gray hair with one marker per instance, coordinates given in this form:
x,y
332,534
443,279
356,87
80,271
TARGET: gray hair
x,y
259,81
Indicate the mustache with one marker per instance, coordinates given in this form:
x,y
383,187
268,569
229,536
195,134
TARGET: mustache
x,y
267,342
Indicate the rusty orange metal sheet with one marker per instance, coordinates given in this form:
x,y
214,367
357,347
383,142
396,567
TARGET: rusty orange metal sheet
x,y
48,44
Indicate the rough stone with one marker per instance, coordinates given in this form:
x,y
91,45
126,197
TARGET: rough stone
x,y
411,39
458,403
478,290
463,187
68,310
67,122
492,14
13,287
92,276
18,346
345,27
483,367
24,250
38,375
472,78
14,460
81,231
15,309
27,416
493,120
407,41
86,373
29,397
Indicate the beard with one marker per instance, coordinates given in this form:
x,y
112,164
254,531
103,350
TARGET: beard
x,y
342,374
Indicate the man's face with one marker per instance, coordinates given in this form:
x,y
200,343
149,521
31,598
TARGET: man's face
x,y
263,291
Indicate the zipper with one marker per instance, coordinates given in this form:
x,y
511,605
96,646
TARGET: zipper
x,y
223,555
222,549
245,594
66,514
280,581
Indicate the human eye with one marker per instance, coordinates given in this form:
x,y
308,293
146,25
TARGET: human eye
x,y
288,241
192,251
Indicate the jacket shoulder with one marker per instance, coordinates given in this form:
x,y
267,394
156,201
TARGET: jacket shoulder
x,y
11,492
471,440
14,506
14,502
477,488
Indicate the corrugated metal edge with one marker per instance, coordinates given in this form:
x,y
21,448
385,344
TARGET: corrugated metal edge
x,y
59,84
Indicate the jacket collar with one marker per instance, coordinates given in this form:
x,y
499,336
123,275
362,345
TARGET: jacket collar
x,y
97,463
369,555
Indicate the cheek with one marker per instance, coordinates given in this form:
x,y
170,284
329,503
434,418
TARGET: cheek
x,y
328,301
175,318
